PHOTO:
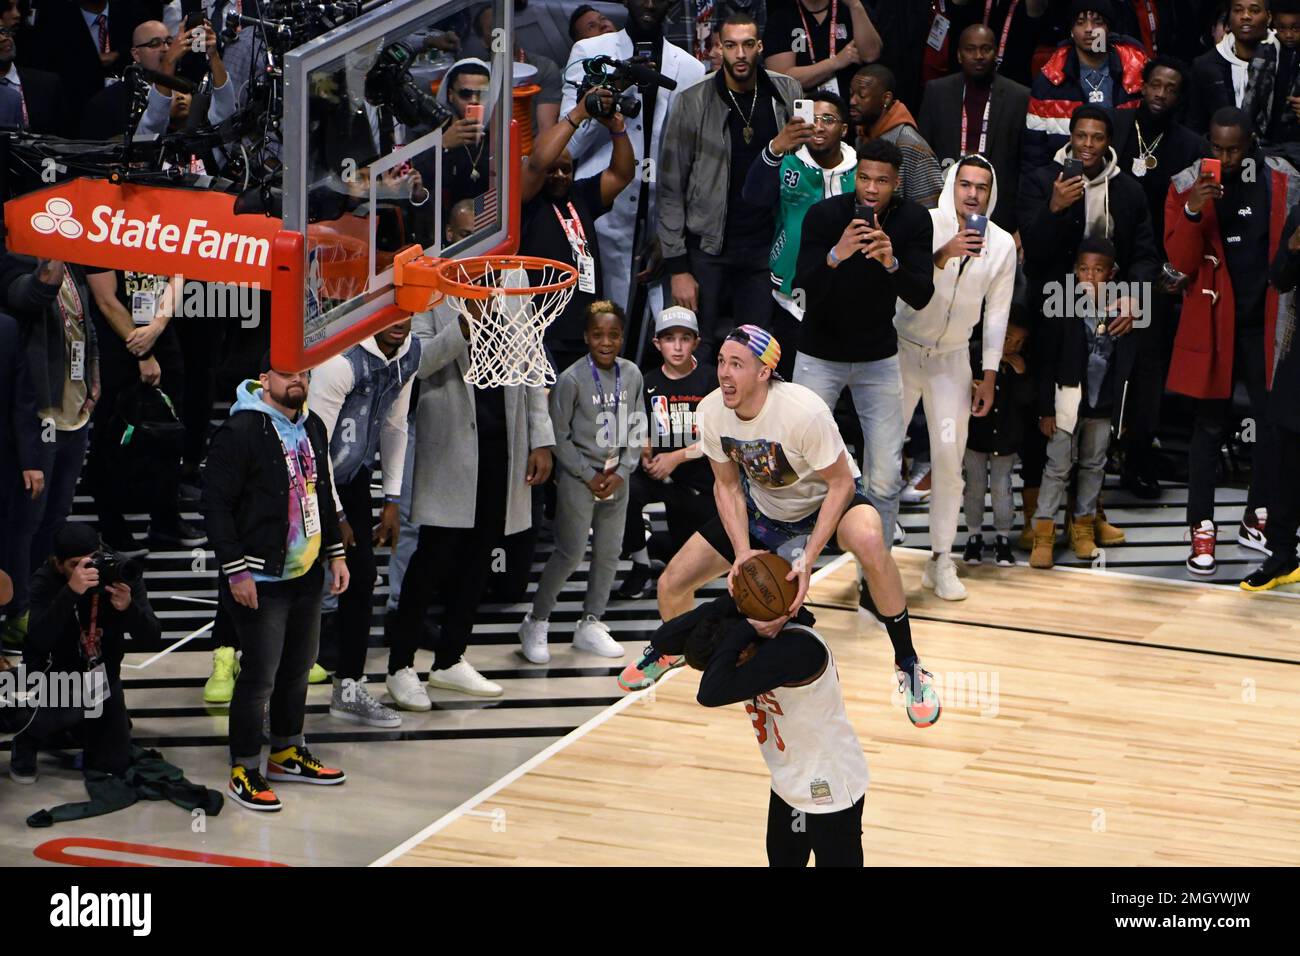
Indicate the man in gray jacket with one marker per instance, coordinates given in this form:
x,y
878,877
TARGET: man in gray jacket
x,y
711,238
478,453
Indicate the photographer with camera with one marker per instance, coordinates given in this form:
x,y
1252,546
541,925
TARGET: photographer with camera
x,y
627,232
85,600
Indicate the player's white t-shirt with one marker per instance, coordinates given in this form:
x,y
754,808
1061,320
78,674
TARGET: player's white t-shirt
x,y
815,759
780,449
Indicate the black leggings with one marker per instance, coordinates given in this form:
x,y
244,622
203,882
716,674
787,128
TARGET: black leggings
x,y
834,838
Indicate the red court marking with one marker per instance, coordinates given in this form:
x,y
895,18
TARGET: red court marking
x,y
56,851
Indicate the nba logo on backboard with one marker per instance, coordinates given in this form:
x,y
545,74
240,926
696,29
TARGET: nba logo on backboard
x,y
313,314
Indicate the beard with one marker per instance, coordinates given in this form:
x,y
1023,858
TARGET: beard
x,y
295,400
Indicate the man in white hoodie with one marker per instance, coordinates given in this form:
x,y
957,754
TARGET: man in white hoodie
x,y
974,275
1240,71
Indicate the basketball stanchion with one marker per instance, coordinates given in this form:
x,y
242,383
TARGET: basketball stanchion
x,y
507,302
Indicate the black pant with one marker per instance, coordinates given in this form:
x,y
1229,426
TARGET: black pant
x,y
106,738
357,602
1210,425
740,273
785,329
279,641
1284,506
835,838
1146,391
685,507
200,344
118,370
456,563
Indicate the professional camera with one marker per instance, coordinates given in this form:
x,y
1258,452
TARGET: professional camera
x,y
617,76
389,84
113,568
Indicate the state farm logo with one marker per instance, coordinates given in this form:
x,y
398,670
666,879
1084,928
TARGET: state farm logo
x,y
57,217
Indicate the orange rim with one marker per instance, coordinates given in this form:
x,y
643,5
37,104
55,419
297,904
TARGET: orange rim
x,y
450,284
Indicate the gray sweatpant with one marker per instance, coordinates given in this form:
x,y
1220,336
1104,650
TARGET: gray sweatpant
x,y
978,467
576,511
1089,443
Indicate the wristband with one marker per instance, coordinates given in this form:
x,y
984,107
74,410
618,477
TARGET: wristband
x,y
240,577
835,260
621,132
569,118
392,500
894,268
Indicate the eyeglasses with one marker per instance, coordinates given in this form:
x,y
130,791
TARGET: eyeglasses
x,y
826,119
7,31
153,44
465,93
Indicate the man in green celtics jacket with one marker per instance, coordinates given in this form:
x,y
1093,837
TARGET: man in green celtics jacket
x,y
804,164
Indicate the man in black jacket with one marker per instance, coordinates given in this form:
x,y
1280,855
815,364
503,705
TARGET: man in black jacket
x,y
978,111
1153,146
269,504
85,43
851,275
1240,71
20,446
1055,213
78,626
1284,410
41,92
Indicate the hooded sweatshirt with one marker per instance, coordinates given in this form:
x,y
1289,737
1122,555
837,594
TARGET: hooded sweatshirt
x,y
301,549
964,289
1097,219
921,175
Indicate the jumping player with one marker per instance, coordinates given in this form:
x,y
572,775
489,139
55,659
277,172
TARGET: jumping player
x,y
783,482
792,689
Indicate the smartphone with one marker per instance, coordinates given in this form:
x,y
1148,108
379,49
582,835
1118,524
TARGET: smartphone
x,y
644,51
866,213
1073,168
474,111
193,19
978,223
803,109
1214,168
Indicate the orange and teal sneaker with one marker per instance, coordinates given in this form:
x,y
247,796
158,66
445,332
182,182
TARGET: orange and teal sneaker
x,y
249,788
648,669
297,765
917,687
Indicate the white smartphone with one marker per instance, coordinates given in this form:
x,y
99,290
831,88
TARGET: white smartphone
x,y
803,109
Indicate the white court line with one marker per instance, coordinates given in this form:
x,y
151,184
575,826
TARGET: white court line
x,y
1148,578
572,736
167,650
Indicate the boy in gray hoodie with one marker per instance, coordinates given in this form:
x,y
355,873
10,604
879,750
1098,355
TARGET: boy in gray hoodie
x,y
598,414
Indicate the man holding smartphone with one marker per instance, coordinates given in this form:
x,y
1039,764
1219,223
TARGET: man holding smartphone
x,y
974,277
861,252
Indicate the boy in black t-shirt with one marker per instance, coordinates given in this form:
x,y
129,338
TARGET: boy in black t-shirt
x,y
672,469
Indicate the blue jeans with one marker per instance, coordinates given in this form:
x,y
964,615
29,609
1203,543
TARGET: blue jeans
x,y
877,391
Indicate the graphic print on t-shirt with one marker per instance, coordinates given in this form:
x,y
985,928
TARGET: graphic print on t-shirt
x,y
762,460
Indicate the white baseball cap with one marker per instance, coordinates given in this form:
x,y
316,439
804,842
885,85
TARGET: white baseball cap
x,y
676,317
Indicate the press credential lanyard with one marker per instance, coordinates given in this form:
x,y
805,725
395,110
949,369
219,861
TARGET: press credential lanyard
x,y
984,125
582,258
611,461
299,476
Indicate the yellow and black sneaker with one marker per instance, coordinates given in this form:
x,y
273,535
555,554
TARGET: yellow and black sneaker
x,y
1273,575
297,765
248,787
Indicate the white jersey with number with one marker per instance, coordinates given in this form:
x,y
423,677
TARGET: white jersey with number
x,y
816,762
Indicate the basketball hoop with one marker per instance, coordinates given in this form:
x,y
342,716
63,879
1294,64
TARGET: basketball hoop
x,y
507,302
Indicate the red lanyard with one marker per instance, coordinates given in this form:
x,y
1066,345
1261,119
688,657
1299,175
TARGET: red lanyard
x,y
984,127
1149,28
1006,26
573,230
90,646
835,7
76,302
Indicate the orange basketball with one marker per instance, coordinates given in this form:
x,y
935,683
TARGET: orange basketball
x,y
761,591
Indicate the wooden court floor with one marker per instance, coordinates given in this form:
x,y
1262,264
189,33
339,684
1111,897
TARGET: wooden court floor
x,y
1089,719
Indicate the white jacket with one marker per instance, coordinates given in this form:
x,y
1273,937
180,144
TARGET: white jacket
x,y
960,295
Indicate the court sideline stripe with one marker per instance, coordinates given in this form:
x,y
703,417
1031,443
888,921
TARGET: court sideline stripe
x,y
573,736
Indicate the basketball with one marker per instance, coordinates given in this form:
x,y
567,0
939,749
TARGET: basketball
x,y
761,590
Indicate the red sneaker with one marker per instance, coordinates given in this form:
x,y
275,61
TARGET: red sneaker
x,y
1201,561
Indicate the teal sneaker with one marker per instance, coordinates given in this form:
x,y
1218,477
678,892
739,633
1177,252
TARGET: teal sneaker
x,y
917,687
648,669
14,631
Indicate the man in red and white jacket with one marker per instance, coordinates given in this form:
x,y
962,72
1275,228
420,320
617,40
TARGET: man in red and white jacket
x,y
1094,67
1220,234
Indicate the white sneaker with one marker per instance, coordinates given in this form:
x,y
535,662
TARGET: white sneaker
x,y
940,575
1253,536
532,635
593,635
407,691
917,489
462,677
900,533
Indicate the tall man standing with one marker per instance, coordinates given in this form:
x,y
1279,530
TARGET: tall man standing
x,y
974,277
853,272
713,240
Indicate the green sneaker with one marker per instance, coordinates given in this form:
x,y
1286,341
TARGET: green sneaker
x,y
317,675
221,685
14,631
648,669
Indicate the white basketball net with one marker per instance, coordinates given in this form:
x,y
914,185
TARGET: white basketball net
x,y
506,329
